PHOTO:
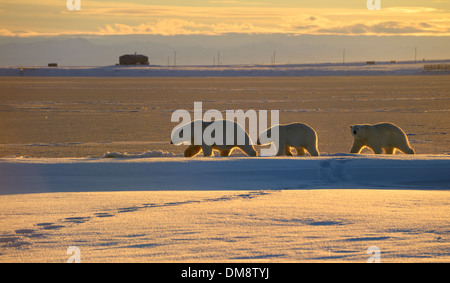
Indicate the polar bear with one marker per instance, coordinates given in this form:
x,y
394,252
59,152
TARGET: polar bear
x,y
240,138
380,136
300,136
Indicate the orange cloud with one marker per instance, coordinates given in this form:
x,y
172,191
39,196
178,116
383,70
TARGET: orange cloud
x,y
107,18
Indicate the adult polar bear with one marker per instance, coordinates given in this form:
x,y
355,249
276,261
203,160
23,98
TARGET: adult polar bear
x,y
204,141
297,135
380,136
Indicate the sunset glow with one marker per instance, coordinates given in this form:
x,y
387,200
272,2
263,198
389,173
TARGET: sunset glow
x,y
52,18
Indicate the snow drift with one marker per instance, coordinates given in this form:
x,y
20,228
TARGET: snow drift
x,y
289,70
344,171
147,154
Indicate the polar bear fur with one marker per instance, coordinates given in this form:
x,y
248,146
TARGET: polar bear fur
x,y
297,135
380,136
225,149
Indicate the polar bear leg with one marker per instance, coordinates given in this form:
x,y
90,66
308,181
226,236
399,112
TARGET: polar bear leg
x,y
225,152
376,149
405,149
312,149
287,151
280,151
207,150
389,150
192,150
248,149
357,146
300,151
409,151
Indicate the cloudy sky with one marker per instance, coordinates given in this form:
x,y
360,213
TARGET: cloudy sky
x,y
25,18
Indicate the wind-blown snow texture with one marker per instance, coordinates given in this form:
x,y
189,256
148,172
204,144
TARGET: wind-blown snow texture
x,y
299,70
157,206
226,226
38,175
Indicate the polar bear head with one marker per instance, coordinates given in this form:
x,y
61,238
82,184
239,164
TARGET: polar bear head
x,y
359,132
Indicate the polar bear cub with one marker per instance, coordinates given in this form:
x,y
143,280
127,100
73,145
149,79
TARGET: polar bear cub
x,y
380,136
297,135
240,138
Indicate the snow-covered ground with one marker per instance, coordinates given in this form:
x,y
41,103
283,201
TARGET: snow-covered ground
x,y
298,70
135,172
61,188
135,208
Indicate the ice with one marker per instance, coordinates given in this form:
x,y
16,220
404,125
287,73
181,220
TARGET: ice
x,y
145,172
141,201
147,154
291,70
226,226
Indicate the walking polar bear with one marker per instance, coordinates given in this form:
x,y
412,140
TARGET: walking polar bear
x,y
219,142
380,136
300,136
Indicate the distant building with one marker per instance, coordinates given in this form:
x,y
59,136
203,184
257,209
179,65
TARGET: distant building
x,y
437,67
53,64
133,59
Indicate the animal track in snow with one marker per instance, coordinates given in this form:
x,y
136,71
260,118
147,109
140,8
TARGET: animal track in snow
x,y
22,237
